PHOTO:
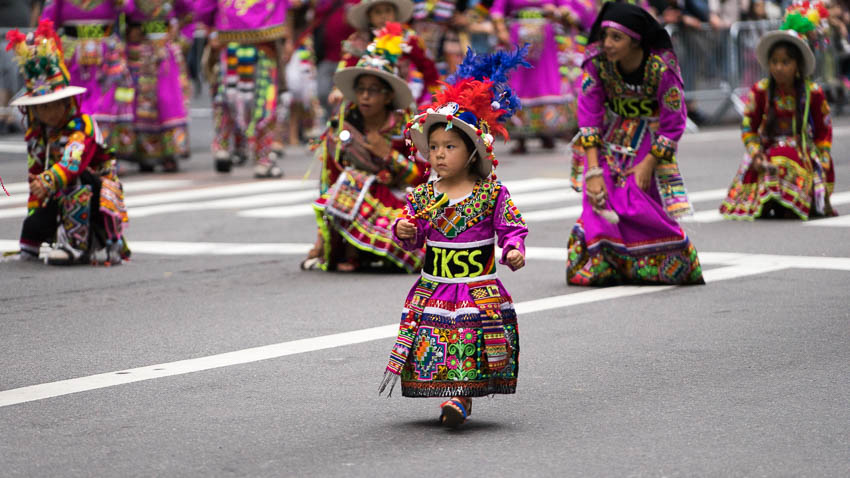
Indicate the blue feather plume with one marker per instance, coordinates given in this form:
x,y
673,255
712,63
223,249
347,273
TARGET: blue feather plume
x,y
495,67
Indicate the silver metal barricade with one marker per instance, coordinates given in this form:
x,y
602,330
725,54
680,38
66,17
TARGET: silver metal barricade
x,y
744,36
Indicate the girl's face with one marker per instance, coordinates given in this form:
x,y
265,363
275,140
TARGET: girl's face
x,y
617,45
53,114
783,68
448,153
380,14
373,96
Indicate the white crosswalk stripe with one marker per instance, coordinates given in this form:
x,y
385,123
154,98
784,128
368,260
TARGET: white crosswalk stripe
x,y
540,200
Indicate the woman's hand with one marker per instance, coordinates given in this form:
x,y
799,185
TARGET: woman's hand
x,y
643,171
405,229
37,187
515,259
594,186
762,164
335,97
377,145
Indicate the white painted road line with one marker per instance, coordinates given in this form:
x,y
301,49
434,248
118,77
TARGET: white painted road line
x,y
20,191
569,212
15,147
227,203
536,184
840,221
713,215
168,248
221,191
750,265
279,212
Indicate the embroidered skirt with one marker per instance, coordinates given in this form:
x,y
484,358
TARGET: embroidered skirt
x,y
359,211
161,116
802,186
646,246
458,334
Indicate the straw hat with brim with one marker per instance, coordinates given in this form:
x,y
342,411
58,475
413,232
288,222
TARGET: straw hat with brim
x,y
451,113
57,94
358,15
376,66
771,38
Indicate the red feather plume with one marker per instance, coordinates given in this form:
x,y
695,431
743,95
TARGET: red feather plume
x,y
476,97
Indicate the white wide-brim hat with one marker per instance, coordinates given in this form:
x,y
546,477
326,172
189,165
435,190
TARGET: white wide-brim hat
x,y
358,15
482,140
64,92
771,38
344,80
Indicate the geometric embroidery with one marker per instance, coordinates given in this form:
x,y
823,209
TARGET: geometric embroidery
x,y
428,353
587,83
512,215
453,220
673,99
75,216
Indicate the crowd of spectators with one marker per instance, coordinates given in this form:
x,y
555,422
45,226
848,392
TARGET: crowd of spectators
x,y
702,27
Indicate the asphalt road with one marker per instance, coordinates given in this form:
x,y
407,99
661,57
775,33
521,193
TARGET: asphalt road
x,y
212,354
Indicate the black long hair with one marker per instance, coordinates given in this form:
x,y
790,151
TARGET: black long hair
x,y
799,90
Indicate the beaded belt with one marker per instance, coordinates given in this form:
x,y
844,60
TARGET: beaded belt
x,y
460,262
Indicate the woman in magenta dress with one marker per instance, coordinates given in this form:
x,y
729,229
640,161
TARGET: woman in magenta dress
x,y
631,115
248,40
96,60
156,63
458,337
546,103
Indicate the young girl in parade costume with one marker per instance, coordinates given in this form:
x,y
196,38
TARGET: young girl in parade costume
x,y
365,168
157,65
370,16
631,115
75,196
95,57
248,39
787,131
458,336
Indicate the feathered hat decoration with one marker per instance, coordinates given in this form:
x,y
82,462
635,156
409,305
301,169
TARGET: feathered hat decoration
x,y
381,60
478,100
39,56
803,27
805,17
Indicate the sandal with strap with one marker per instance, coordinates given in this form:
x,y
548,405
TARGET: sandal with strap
x,y
454,413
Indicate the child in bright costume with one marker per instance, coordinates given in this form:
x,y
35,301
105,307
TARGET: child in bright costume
x,y
158,68
249,36
415,65
458,336
362,189
75,197
96,60
787,131
630,123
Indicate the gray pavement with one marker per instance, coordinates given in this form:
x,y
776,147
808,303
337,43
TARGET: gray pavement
x,y
745,376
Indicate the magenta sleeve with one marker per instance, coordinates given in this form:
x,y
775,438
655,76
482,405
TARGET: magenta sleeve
x,y
499,8
591,106
509,224
51,12
672,116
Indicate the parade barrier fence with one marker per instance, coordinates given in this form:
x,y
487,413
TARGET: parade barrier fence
x,y
720,66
